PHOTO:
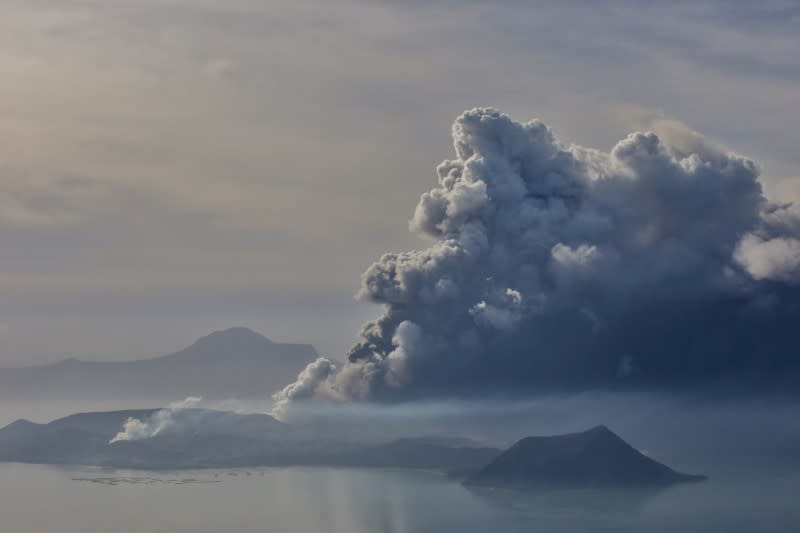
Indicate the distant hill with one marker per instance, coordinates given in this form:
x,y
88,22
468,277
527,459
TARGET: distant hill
x,y
206,438
236,362
596,458
84,439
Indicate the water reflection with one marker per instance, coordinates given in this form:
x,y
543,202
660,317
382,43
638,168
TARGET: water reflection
x,y
302,500
594,501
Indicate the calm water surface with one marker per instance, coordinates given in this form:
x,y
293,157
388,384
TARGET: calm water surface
x,y
42,499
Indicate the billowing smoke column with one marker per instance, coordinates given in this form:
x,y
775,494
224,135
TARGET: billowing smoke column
x,y
307,383
555,266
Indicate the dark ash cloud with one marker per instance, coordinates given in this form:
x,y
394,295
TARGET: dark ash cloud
x,y
555,266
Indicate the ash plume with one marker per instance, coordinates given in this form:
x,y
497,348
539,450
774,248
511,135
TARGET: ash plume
x,y
554,267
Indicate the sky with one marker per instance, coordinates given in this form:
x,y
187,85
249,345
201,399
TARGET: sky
x,y
171,167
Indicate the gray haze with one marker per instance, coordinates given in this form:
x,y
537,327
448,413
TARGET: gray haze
x,y
168,168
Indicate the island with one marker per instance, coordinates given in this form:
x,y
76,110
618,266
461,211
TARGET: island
x,y
596,458
204,438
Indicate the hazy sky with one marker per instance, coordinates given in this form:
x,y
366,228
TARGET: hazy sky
x,y
169,167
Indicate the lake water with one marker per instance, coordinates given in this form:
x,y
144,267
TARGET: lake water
x,y
42,499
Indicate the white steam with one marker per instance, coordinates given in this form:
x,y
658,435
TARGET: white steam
x,y
159,422
309,381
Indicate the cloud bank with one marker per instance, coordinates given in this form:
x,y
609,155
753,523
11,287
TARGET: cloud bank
x,y
554,266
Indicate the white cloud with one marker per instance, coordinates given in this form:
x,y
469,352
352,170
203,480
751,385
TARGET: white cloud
x,y
772,259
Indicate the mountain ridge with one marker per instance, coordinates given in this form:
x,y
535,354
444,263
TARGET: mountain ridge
x,y
235,362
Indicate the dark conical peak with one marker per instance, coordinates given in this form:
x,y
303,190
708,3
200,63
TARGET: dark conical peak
x,y
592,434
601,431
589,459
602,434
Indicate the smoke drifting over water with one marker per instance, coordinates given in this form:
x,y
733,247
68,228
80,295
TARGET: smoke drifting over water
x,y
558,267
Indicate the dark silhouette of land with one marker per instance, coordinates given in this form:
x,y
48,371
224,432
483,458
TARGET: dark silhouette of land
x,y
596,458
199,438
